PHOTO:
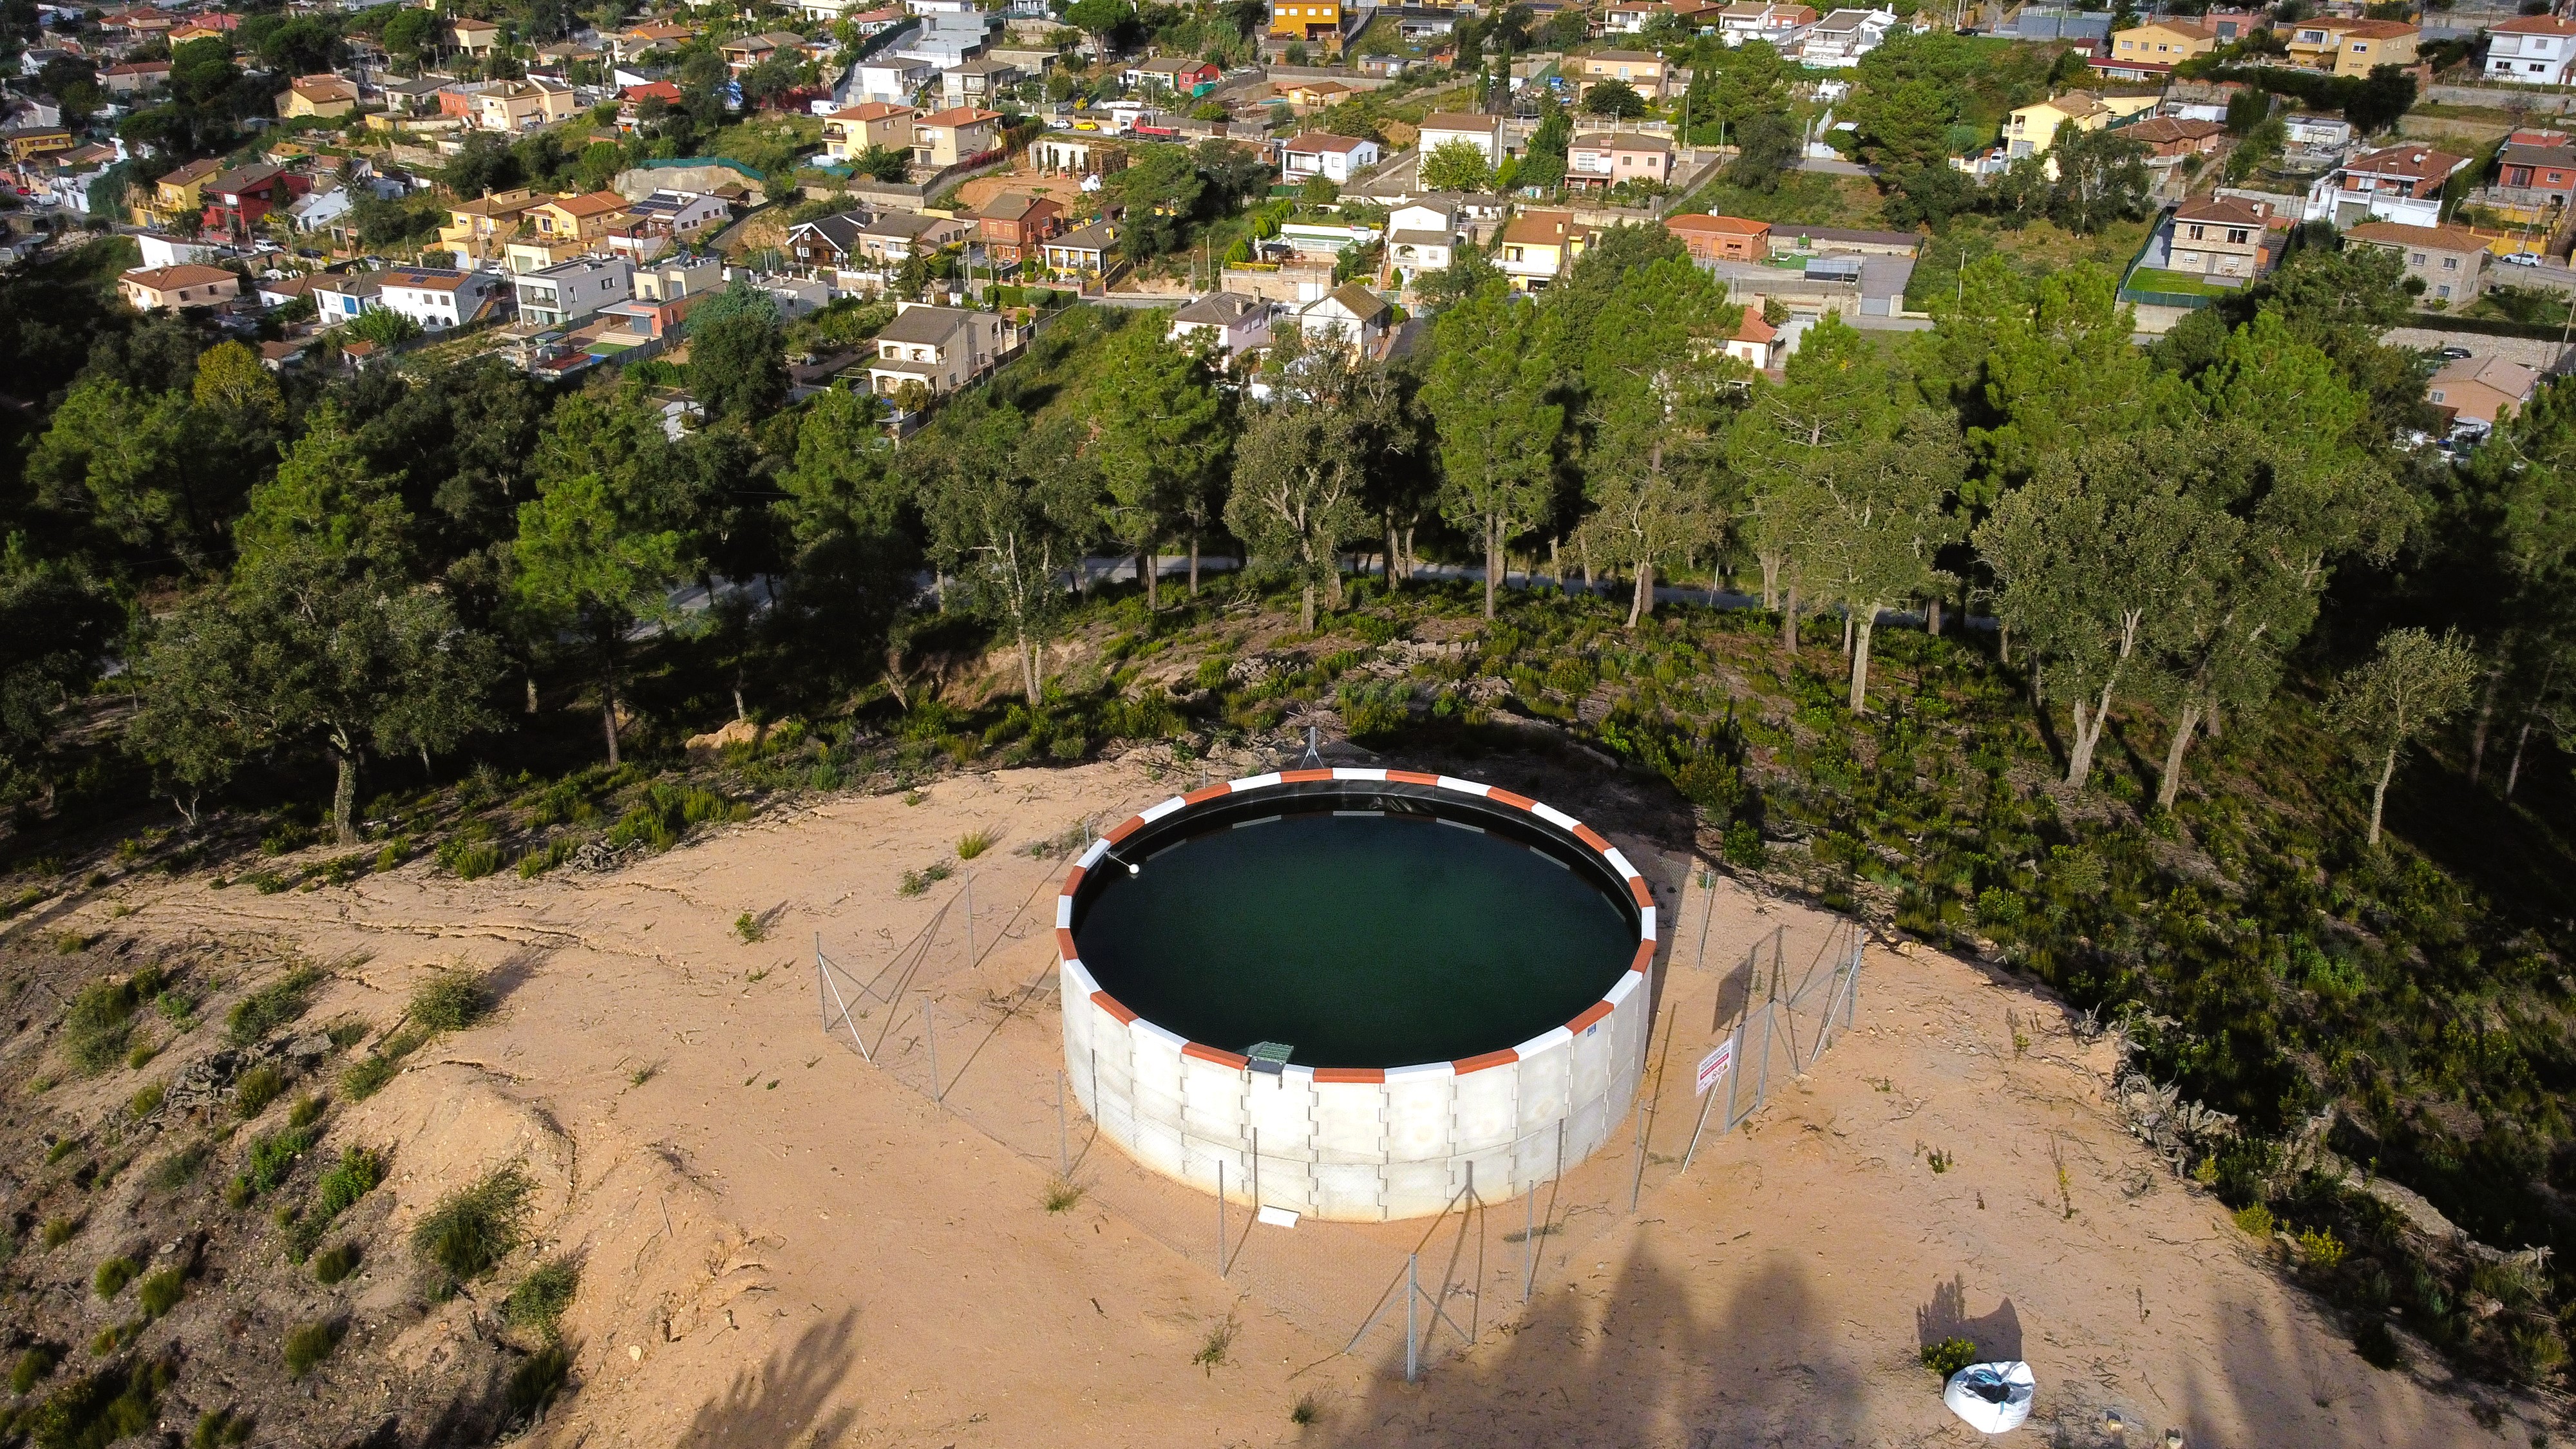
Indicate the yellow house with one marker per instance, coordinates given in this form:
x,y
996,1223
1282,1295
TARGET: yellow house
x,y
190,284
1538,246
1641,71
582,218
477,230
525,254
2033,128
318,95
176,195
28,141
1306,20
2351,47
475,37
850,131
2163,42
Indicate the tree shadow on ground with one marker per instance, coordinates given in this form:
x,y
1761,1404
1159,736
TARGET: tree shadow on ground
x,y
1621,1357
788,1398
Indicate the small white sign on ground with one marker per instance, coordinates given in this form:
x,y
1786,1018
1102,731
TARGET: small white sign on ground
x,y
1277,1217
1715,1065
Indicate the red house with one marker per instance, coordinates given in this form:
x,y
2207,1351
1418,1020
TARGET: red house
x,y
1014,226
237,200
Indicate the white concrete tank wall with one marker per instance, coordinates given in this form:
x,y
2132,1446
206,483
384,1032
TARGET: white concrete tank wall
x,y
1349,1143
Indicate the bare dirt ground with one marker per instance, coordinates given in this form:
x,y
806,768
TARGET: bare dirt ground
x,y
1062,188
787,1246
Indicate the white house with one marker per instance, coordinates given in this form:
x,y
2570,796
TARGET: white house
x,y
566,292
1320,153
316,210
1752,341
686,212
1450,128
1782,26
1421,238
170,251
435,297
1228,321
891,78
1838,41
1349,314
341,296
2531,51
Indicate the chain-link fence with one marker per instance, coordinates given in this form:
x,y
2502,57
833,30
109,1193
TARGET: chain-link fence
x,y
966,1013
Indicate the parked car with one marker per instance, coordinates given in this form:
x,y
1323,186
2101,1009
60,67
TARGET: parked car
x,y
2521,259
2455,354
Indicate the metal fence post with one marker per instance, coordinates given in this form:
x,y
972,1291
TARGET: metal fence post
x,y
1762,1085
1412,1290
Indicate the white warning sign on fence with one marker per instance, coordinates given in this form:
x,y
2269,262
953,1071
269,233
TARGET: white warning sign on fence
x,y
1715,1065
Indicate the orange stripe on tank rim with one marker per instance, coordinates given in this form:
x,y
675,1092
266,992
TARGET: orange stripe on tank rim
x,y
1591,1014
1109,1003
1212,792
1591,837
1637,888
1125,828
1645,958
1304,777
1410,777
1064,945
1375,1076
1503,1058
1211,1054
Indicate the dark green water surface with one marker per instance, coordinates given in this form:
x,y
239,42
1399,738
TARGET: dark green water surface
x,y
1360,940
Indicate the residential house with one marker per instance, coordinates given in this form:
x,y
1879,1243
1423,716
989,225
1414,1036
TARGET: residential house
x,y
2162,43
2030,130
1419,24
1320,153
569,291
340,297
2533,172
852,130
322,209
827,243
201,28
1753,340
1307,20
666,292
317,95
2531,51
477,38
279,291
1627,17
2231,26
744,52
1421,238
477,230
1783,27
2170,138
2218,236
2318,133
981,81
940,349
1641,71
1838,41
895,79
181,193
1180,75
2351,47
957,136
1350,314
149,289
1013,225
1538,246
1457,128
2394,183
2481,389
1313,95
888,240
686,213
626,45
171,251
523,105
417,96
1083,252
437,298
28,142
2451,261
582,218
1607,158
1226,322
1721,238
134,77
237,200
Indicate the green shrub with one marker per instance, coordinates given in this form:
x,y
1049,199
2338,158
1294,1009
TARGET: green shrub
x,y
308,1345
1743,845
358,1172
272,1006
57,1231
112,1276
221,1429
335,1262
537,1305
257,1088
546,857
974,844
97,1024
117,1402
535,1382
2320,1249
160,1292
2256,1219
32,1366
449,1000
472,1229
272,1158
1949,1356
364,1079
917,881
665,813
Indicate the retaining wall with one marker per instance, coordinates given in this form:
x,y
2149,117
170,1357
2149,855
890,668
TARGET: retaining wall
x,y
1358,1144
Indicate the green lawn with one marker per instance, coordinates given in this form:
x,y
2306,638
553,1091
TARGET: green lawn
x,y
2185,284
1811,198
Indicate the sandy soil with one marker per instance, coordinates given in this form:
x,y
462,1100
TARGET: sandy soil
x,y
788,1246
1065,189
